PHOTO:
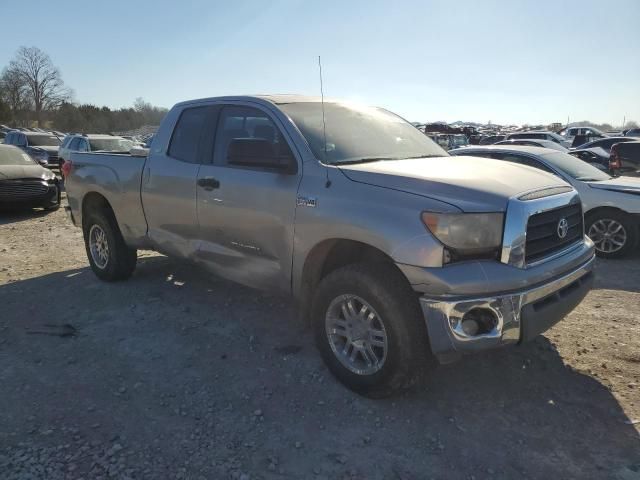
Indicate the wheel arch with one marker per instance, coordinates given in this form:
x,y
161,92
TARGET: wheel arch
x,y
602,209
329,255
94,201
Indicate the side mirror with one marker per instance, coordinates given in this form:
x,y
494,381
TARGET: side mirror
x,y
139,152
260,153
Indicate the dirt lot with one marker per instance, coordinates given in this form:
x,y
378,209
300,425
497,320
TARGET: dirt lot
x,y
174,374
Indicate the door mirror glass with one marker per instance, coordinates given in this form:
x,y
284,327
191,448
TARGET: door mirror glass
x,y
259,153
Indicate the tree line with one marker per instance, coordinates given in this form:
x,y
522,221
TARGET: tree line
x,y
32,93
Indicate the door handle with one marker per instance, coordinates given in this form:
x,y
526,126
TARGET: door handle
x,y
208,183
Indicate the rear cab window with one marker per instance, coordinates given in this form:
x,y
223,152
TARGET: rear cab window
x,y
186,135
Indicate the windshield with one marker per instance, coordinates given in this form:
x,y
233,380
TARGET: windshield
x,y
355,133
14,156
576,168
111,144
43,140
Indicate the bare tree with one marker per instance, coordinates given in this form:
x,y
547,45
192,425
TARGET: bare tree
x,y
14,91
41,78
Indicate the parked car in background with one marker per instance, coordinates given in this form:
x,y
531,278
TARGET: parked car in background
x,y
24,183
396,252
598,151
586,134
632,132
534,143
607,143
625,159
80,142
540,135
491,139
596,157
42,147
611,205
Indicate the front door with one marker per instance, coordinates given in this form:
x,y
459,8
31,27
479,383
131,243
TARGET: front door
x,y
247,214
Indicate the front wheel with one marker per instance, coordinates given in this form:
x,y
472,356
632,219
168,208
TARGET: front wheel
x,y
369,329
613,233
109,256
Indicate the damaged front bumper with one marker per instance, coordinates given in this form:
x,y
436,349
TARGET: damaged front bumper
x,y
515,316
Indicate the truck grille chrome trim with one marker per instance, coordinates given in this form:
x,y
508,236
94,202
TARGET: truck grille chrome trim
x,y
525,242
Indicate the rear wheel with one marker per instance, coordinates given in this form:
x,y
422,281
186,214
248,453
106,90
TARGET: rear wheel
x,y
369,329
613,233
109,256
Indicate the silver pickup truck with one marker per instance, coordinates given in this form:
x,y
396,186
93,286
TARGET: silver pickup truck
x,y
397,253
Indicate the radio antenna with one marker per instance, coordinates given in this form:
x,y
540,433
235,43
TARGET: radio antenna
x,y
324,125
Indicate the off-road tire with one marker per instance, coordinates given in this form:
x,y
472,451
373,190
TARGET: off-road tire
x,y
388,292
122,259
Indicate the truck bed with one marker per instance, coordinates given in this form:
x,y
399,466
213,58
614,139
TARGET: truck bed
x,y
117,177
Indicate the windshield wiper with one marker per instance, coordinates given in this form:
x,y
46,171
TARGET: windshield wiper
x,y
364,160
425,156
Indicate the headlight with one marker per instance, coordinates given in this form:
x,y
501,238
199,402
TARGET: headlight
x,y
466,235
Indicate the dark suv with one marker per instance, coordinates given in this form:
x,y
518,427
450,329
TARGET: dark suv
x,y
42,147
625,159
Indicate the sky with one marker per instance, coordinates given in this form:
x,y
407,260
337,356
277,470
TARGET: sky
x,y
511,61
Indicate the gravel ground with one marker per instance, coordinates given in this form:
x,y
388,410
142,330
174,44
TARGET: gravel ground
x,y
174,374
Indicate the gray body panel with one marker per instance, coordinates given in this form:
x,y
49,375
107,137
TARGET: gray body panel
x,y
116,178
470,183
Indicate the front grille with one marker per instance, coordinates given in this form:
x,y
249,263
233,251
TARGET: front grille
x,y
20,189
543,238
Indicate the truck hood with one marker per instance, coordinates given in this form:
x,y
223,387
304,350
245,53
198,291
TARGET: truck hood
x,y
12,172
473,184
618,184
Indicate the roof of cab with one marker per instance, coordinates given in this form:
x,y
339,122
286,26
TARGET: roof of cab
x,y
276,99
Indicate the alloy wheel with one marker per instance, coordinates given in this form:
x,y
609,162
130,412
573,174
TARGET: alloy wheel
x,y
99,246
356,334
608,235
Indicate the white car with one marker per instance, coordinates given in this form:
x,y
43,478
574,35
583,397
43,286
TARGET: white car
x,y
611,205
77,142
591,133
540,135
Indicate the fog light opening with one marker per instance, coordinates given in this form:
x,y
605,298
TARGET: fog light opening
x,y
478,321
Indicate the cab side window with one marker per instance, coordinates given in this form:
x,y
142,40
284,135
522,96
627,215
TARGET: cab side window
x,y
246,123
186,134
83,145
73,146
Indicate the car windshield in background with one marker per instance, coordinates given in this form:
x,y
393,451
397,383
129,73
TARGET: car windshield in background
x,y
14,156
110,144
43,140
355,133
576,168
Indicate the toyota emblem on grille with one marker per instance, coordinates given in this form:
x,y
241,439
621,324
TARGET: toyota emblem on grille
x,y
563,228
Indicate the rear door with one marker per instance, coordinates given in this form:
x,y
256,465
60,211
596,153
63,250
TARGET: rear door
x,y
247,214
169,186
